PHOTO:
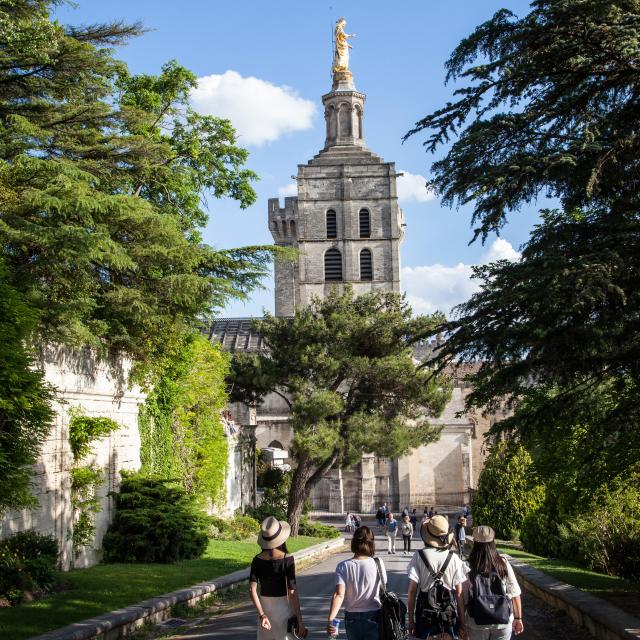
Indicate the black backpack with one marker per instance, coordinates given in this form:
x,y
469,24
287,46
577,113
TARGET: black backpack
x,y
437,606
489,602
393,614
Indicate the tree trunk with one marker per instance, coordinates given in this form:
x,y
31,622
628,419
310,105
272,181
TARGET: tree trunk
x,y
303,480
298,494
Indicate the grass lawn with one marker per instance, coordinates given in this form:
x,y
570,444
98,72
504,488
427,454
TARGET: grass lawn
x,y
617,591
90,592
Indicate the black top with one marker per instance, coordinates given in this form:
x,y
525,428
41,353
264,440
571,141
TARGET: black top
x,y
271,575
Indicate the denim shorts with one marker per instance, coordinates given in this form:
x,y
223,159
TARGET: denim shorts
x,y
362,625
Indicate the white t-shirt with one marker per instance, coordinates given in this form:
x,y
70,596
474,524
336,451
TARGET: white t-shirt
x,y
362,584
453,576
512,589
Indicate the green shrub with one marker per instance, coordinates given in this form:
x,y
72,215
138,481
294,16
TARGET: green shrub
x,y
238,528
28,564
155,521
602,535
317,529
507,492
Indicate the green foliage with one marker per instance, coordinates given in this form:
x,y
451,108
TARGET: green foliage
x,y
83,430
507,490
602,535
316,529
25,399
548,108
346,367
181,431
547,105
237,528
275,497
101,176
28,564
85,482
154,521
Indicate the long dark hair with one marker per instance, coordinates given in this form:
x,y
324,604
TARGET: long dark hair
x,y
484,559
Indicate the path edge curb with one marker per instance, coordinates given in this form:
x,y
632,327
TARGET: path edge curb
x,y
600,618
118,623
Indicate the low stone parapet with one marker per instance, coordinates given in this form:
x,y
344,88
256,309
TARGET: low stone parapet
x,y
117,624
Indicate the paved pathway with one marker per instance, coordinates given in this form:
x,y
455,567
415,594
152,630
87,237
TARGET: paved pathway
x,y
316,586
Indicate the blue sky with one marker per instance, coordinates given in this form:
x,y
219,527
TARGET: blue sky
x,y
266,64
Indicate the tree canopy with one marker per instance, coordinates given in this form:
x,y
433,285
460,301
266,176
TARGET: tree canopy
x,y
103,183
548,104
345,367
102,176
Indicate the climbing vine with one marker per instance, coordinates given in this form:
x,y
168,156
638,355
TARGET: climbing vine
x,y
85,479
181,430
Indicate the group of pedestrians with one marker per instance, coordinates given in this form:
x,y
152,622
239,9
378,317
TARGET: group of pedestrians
x,y
447,597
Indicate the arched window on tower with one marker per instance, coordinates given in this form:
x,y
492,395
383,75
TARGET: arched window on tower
x,y
365,223
332,265
332,224
366,265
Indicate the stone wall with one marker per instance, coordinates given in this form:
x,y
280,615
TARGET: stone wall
x,y
98,388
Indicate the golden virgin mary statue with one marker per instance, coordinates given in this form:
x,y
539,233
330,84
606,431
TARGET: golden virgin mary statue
x,y
342,46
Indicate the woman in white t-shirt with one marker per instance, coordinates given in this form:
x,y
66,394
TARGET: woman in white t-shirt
x,y
358,589
484,560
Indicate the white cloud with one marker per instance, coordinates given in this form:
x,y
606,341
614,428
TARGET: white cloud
x,y
439,287
290,189
500,249
259,110
412,186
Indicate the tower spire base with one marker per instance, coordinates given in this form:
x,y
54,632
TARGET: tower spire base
x,y
343,81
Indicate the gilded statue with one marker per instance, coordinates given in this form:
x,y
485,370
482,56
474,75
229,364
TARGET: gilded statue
x,y
342,46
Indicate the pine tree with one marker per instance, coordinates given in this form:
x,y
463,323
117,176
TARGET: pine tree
x,y
345,367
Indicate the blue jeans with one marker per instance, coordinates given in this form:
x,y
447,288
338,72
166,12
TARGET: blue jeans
x,y
362,625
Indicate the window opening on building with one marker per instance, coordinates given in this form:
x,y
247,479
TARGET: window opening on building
x,y
365,223
366,265
332,224
332,265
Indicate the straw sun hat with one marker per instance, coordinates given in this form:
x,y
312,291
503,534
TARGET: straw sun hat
x,y
484,534
436,532
273,533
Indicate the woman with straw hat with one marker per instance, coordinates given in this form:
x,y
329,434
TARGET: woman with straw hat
x,y
274,569
492,580
436,561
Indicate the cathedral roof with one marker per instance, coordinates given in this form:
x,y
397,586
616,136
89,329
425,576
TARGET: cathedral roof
x,y
236,334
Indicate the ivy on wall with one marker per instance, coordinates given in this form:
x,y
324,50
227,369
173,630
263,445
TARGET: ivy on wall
x,y
85,479
181,430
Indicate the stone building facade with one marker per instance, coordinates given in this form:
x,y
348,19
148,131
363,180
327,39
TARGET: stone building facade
x,y
347,227
345,222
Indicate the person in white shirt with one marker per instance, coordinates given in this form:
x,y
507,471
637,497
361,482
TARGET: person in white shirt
x,y
485,560
358,589
437,537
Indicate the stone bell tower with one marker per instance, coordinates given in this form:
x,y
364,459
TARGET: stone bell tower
x,y
345,221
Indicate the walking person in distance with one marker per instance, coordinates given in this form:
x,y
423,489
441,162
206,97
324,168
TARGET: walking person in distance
x,y
407,533
436,575
277,604
358,589
495,608
461,534
391,529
